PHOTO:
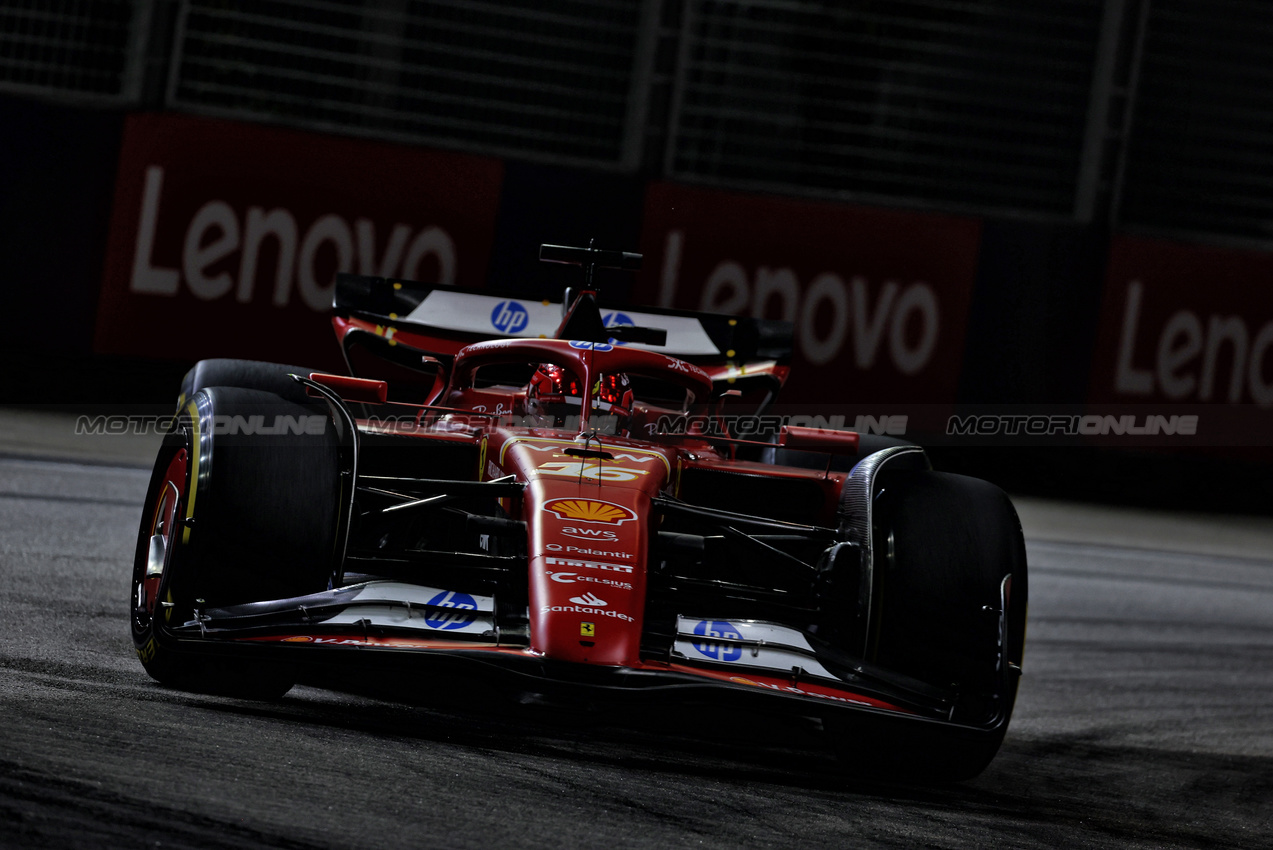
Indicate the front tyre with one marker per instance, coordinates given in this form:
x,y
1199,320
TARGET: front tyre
x,y
944,545
246,375
241,507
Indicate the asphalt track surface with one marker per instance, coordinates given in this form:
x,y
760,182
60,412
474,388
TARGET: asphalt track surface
x,y
1144,720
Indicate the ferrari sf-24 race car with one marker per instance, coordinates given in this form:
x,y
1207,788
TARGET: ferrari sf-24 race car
x,y
563,504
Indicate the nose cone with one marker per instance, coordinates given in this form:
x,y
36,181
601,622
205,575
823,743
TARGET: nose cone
x,y
587,574
587,524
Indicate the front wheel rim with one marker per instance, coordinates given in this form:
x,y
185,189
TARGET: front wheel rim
x,y
165,520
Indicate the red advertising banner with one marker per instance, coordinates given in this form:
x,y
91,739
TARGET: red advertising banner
x,y
1185,323
225,238
879,297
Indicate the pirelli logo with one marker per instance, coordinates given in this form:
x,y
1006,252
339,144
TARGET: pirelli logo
x,y
571,563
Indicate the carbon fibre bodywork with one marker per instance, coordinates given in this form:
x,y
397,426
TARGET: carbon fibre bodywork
x,y
648,556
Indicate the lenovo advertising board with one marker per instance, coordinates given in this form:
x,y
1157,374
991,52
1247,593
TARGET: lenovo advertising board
x,y
879,297
1188,329
225,238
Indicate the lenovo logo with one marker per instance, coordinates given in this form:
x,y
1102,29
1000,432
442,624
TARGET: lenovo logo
x,y
832,314
1193,355
225,248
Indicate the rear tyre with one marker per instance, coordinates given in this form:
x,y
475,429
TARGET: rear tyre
x,y
943,546
232,517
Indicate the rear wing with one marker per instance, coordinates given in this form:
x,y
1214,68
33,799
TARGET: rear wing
x,y
438,321
446,318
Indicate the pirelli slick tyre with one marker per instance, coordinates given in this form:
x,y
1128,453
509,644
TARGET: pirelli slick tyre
x,y
242,506
244,374
943,547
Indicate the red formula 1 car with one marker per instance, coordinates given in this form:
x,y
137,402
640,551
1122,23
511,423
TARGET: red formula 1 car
x,y
565,505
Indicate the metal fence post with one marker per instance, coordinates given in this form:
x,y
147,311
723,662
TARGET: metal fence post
x,y
1092,164
178,44
1129,108
134,75
683,55
642,82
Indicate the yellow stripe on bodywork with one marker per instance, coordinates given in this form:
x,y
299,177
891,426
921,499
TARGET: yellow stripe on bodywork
x,y
565,444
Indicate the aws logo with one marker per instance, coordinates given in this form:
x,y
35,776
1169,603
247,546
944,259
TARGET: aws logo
x,y
604,535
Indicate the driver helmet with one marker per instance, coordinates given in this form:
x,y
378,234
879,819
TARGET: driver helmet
x,y
555,393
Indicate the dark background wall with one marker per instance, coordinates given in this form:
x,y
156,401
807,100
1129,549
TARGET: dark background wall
x,y
1086,144
57,167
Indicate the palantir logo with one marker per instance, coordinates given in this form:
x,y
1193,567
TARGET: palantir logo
x,y
509,317
453,618
718,651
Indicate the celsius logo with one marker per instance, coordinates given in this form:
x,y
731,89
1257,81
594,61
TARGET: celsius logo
x,y
572,578
718,651
455,618
589,599
509,317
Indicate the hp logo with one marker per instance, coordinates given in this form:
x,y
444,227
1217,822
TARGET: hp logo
x,y
509,317
452,619
617,320
718,651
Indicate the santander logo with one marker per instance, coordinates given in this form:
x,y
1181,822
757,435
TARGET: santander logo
x,y
589,599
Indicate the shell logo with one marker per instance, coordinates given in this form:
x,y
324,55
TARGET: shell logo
x,y
589,510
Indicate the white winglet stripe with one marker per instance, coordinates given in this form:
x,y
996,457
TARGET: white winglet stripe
x,y
526,318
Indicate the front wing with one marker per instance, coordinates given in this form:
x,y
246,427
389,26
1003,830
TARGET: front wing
x,y
396,626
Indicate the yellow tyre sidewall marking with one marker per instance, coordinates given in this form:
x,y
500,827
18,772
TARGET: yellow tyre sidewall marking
x,y
192,473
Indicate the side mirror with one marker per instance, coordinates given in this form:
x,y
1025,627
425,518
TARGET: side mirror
x,y
724,399
364,390
818,440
